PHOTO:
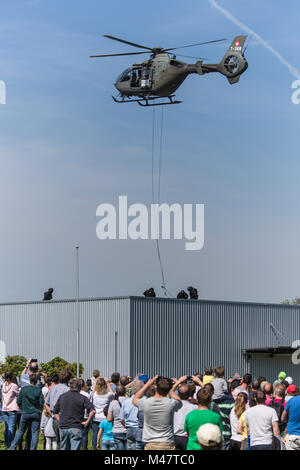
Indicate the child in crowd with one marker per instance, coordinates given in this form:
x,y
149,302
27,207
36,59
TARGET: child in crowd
x,y
105,433
208,375
219,383
47,430
281,377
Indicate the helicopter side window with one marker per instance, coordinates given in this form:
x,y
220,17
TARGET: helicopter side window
x,y
125,76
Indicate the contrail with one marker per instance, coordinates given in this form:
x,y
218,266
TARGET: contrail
x,y
234,20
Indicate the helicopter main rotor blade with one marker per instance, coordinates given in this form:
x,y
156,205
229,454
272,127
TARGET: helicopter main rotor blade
x,y
127,42
197,44
115,55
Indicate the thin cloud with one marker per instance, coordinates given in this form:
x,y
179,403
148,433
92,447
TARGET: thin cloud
x,y
295,72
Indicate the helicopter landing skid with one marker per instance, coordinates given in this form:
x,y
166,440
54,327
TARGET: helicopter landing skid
x,y
145,101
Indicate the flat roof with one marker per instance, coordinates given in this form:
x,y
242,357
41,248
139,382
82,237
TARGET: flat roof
x,y
152,299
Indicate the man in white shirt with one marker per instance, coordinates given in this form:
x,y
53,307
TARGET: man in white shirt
x,y
180,436
262,424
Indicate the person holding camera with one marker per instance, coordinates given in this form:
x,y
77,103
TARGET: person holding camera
x,y
158,432
30,369
180,435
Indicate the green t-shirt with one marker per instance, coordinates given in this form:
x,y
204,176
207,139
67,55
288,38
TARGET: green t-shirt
x,y
194,420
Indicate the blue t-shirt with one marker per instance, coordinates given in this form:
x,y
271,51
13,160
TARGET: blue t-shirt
x,y
293,409
107,430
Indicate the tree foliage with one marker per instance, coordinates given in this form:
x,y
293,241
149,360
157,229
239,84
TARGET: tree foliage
x,y
57,364
14,363
295,301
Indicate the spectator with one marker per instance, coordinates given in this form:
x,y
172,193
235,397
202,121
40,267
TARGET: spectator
x,y
278,404
10,392
180,435
268,389
47,386
124,380
202,415
69,413
89,385
225,404
55,392
129,417
158,433
105,433
47,429
220,385
291,392
244,386
281,377
100,398
113,416
262,423
213,406
208,375
150,392
114,381
30,369
96,375
31,401
85,431
292,415
235,414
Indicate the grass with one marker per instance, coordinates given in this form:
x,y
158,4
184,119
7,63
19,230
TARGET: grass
x,y
40,443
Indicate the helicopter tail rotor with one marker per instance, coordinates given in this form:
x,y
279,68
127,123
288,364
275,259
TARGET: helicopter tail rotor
x,y
232,65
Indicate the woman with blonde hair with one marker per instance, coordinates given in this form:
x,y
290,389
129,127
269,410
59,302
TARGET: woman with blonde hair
x,y
241,404
101,396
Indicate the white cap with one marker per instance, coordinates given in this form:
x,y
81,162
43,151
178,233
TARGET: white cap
x,y
209,435
289,380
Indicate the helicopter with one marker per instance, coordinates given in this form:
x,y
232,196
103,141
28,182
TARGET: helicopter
x,y
162,74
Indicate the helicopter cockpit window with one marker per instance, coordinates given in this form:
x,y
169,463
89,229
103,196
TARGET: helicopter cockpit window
x,y
125,76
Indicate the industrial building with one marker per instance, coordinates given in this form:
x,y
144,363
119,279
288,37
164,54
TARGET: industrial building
x,y
155,335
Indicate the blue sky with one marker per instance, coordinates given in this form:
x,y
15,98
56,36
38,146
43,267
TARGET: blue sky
x,y
67,147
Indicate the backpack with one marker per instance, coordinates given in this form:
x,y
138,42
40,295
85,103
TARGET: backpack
x,y
279,408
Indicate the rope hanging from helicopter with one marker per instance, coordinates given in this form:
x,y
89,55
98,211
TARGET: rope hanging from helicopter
x,y
163,286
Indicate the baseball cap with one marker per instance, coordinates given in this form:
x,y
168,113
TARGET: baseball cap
x,y
291,389
209,435
282,375
144,378
289,380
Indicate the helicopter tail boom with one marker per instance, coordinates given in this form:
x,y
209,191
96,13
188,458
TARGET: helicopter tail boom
x,y
232,65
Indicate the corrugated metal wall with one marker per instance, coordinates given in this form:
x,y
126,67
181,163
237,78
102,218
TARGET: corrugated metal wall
x,y
165,336
48,329
176,337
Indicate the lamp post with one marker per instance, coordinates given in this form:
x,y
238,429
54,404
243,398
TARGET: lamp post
x,y
77,304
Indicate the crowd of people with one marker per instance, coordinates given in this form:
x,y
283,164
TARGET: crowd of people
x,y
199,412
